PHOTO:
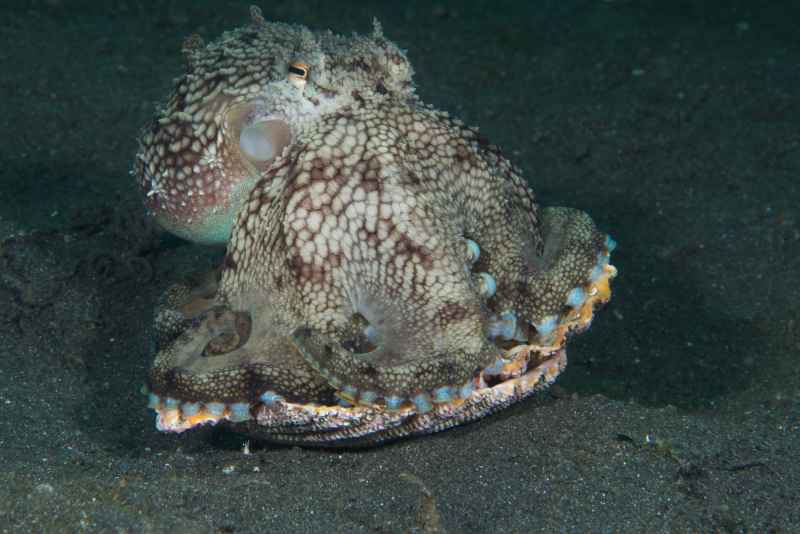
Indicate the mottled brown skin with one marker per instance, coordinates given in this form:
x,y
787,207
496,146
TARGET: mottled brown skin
x,y
348,266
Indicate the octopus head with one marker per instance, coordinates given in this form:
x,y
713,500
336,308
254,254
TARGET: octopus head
x,y
243,100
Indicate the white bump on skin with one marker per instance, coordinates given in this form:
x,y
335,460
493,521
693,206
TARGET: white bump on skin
x,y
301,179
317,189
333,138
347,146
371,219
383,234
297,224
320,244
346,192
307,251
324,199
332,187
313,221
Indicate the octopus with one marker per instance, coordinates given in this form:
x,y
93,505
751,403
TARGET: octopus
x,y
387,271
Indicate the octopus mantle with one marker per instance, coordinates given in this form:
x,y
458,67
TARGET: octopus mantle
x,y
388,272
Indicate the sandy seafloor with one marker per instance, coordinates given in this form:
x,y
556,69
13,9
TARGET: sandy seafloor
x,y
673,123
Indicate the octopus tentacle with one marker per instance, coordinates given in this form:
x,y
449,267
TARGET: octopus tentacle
x,y
351,242
391,378
219,355
560,277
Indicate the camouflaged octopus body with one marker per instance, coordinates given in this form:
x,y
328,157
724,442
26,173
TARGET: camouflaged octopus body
x,y
388,257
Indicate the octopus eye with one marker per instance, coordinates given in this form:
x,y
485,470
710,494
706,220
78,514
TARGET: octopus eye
x,y
298,74
264,140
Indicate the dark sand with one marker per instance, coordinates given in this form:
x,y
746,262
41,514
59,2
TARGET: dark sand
x,y
673,123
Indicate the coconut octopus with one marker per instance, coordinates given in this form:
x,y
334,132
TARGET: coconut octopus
x,y
388,272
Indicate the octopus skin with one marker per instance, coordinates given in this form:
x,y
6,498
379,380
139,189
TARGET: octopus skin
x,y
387,273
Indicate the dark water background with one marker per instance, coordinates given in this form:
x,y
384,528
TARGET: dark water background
x,y
675,124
